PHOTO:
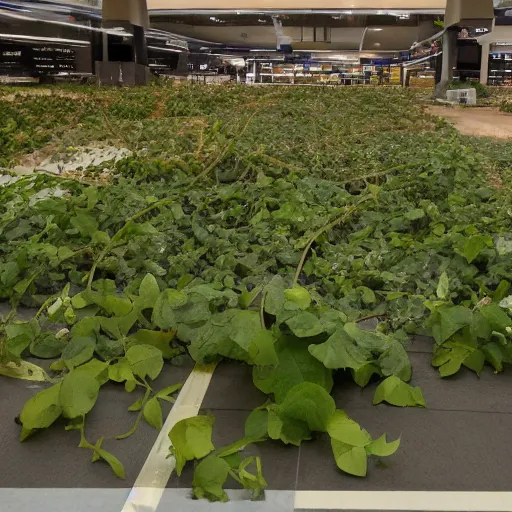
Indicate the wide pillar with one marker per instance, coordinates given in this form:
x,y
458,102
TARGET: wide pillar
x,y
484,64
449,62
129,67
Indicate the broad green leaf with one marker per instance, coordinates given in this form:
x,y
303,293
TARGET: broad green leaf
x,y
382,448
350,459
305,325
256,425
145,360
23,371
341,351
117,306
449,320
475,361
395,361
40,411
148,292
108,349
47,346
299,296
191,439
396,392
78,351
96,369
163,310
506,303
85,223
494,355
342,428
287,429
153,413
473,246
443,287
501,292
374,342
158,339
210,475
367,295
309,403
169,390
415,214
363,375
78,394
274,295
262,349
296,365
120,371
497,318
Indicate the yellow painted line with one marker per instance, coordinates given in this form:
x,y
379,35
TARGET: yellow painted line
x,y
154,475
425,501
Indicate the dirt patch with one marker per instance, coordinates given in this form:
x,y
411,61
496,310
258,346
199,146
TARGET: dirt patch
x,y
480,122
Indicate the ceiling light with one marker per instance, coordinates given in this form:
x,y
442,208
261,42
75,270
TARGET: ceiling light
x,y
44,39
213,18
376,29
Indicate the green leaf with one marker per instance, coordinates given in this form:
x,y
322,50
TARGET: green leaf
x,y
40,411
494,355
415,214
450,320
341,351
285,428
375,342
47,346
274,295
153,413
305,325
342,428
191,439
350,459
253,482
145,360
117,306
256,424
296,365
112,461
395,361
86,224
443,287
396,392
363,375
169,390
475,361
381,448
497,318
148,292
210,475
299,296
309,403
473,246
120,371
158,339
78,394
78,351
96,369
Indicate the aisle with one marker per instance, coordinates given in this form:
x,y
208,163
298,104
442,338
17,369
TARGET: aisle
x,y
458,444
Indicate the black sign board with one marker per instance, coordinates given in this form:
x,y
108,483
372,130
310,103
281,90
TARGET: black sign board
x,y
18,59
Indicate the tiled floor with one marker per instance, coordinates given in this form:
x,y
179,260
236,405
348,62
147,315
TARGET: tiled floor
x,y
460,443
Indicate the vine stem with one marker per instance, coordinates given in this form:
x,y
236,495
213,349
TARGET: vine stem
x,y
321,231
262,309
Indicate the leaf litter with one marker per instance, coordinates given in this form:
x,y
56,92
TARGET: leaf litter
x,y
261,235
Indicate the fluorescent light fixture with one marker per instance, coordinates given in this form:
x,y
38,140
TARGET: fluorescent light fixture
x,y
44,39
213,18
263,50
173,50
376,29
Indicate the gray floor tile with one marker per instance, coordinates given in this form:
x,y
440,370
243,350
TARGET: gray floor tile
x,y
232,388
464,391
440,451
51,458
420,344
279,461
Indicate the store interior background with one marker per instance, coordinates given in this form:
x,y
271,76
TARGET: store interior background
x,y
52,41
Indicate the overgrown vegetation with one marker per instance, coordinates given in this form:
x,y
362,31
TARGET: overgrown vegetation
x,y
254,224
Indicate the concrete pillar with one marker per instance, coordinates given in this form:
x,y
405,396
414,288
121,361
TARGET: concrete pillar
x,y
449,62
133,16
484,64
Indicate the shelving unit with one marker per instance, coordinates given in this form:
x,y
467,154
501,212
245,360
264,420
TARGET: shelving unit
x,y
500,69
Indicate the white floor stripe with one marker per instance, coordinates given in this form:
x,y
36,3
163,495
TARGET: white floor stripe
x,y
154,475
401,500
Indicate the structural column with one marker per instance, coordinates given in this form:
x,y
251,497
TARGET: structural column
x,y
484,64
133,16
449,61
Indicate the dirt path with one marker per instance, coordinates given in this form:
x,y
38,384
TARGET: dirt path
x,y
481,122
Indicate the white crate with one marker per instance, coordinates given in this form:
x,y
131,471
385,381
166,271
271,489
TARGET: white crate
x,y
463,96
